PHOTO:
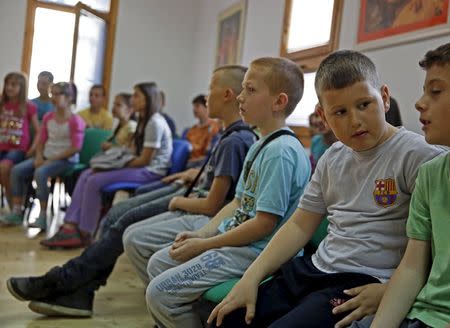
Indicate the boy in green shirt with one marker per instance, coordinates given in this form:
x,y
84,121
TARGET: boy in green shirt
x,y
420,287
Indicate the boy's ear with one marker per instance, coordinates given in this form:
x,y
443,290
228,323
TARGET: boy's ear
x,y
319,110
229,95
386,96
280,102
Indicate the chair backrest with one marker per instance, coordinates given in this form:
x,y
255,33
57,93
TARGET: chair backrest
x,y
180,155
93,139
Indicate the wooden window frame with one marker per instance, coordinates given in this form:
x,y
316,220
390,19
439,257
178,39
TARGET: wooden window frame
x,y
309,59
111,22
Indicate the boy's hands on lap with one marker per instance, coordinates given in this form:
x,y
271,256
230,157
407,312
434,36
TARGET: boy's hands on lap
x,y
187,245
187,249
243,295
173,206
365,300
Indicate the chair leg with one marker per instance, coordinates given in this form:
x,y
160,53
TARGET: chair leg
x,y
28,203
2,194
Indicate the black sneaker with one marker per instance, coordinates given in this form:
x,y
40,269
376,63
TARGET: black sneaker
x,y
77,304
29,288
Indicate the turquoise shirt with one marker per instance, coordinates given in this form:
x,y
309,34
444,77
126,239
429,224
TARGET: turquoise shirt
x,y
274,185
318,147
42,107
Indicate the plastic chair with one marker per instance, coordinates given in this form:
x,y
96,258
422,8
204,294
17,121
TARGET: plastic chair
x,y
93,139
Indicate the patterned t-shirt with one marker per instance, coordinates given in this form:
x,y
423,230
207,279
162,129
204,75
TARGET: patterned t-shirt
x,y
275,182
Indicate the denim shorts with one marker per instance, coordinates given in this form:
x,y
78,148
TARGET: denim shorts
x,y
14,156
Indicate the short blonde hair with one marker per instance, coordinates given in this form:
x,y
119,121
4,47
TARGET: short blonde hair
x,y
282,75
232,77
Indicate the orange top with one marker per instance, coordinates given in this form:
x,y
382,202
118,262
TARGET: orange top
x,y
200,137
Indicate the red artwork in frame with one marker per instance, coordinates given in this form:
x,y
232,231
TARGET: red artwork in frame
x,y
385,22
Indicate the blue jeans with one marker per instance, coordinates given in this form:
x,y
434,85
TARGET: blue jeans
x,y
22,173
148,187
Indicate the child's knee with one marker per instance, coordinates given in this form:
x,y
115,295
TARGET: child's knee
x,y
130,241
151,267
5,166
158,294
41,175
154,267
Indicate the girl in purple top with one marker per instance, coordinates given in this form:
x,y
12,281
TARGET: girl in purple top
x,y
60,141
16,115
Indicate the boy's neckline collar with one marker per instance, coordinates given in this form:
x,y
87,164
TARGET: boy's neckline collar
x,y
379,148
269,134
235,123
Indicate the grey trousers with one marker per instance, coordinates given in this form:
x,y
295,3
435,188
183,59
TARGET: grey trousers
x,y
175,286
143,239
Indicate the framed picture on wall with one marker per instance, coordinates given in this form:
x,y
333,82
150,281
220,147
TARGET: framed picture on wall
x,y
230,34
387,22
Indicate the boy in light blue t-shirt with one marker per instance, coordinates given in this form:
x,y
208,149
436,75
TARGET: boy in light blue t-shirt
x,y
267,193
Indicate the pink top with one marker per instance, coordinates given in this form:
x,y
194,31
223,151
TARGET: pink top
x,y
15,130
76,129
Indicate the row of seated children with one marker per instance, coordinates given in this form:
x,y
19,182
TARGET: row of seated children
x,y
58,148
57,143
70,288
20,121
152,147
346,278
61,158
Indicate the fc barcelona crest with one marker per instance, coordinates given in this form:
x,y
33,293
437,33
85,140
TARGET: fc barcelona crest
x,y
385,193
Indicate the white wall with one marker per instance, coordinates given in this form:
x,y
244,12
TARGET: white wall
x,y
12,26
154,42
397,65
262,34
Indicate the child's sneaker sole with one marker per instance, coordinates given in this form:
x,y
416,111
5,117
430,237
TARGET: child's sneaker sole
x,y
58,310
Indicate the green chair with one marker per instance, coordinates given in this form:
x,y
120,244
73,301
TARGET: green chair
x,y
93,139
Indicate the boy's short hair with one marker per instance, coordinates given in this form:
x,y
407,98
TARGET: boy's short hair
x,y
200,100
439,56
46,74
99,86
232,77
283,75
343,68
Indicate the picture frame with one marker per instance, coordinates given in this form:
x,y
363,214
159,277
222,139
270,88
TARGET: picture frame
x,y
230,34
383,23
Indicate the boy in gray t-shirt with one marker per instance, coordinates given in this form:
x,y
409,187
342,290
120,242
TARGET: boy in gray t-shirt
x,y
364,184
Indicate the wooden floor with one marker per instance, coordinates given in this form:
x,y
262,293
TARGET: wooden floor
x,y
119,304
